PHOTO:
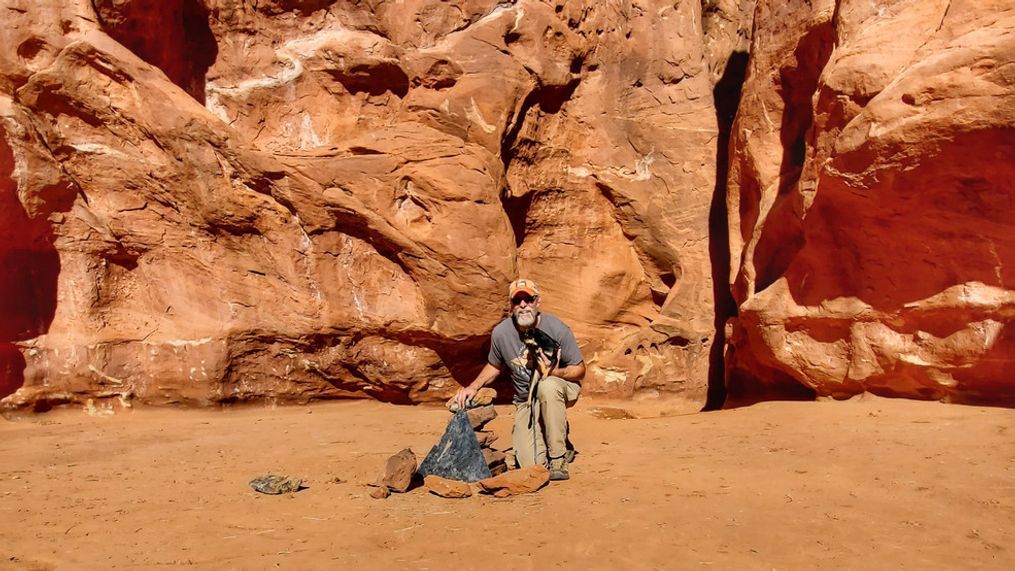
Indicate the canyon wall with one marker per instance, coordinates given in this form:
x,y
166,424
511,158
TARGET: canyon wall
x,y
214,201
870,200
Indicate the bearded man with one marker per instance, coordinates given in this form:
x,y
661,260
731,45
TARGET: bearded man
x,y
540,434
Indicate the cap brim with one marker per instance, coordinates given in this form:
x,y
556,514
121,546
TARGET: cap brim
x,y
527,290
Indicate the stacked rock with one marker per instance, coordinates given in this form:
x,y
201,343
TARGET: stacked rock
x,y
502,482
481,412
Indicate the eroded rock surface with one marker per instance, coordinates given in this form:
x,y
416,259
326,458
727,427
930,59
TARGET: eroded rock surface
x,y
211,201
871,202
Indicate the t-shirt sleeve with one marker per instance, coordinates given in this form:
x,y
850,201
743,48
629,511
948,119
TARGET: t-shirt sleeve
x,y
570,354
495,357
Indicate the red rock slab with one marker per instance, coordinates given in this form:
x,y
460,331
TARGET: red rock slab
x,y
478,417
498,468
492,456
446,488
515,482
486,438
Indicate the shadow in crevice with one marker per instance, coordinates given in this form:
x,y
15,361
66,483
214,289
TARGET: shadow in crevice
x,y
373,79
12,369
743,388
29,266
782,237
517,210
550,99
172,35
726,96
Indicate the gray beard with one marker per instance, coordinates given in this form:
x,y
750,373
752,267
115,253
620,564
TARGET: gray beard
x,y
526,320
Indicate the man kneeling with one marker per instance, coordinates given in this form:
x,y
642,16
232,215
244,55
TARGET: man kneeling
x,y
558,386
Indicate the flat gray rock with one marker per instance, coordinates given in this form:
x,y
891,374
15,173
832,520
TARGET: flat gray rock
x,y
274,485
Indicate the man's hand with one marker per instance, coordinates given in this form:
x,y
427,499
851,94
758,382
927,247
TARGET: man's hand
x,y
545,364
464,395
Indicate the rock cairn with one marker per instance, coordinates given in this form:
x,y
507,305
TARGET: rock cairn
x,y
401,469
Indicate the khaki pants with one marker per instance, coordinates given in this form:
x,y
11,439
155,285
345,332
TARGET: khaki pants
x,y
554,398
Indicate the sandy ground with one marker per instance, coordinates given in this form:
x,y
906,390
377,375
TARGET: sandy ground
x,y
869,483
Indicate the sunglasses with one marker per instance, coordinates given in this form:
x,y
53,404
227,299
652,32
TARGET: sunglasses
x,y
518,299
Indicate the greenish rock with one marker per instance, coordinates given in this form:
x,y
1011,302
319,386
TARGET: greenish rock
x,y
274,485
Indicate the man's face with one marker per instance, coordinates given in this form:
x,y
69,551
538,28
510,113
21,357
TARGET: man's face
x,y
525,309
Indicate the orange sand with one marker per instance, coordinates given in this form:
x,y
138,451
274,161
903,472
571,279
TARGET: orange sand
x,y
869,483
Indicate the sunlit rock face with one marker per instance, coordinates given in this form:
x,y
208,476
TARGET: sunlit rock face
x,y
214,201
211,201
870,202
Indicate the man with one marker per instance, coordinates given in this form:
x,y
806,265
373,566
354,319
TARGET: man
x,y
554,393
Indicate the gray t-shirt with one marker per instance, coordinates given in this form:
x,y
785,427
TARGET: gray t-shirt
x,y
507,348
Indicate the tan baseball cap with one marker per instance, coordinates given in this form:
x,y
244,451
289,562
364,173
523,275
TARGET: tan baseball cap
x,y
522,285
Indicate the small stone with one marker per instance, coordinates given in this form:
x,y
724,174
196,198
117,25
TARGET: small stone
x,y
514,482
499,468
486,438
380,493
399,470
492,456
446,488
481,415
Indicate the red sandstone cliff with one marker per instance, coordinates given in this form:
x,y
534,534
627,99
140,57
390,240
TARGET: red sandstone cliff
x,y
871,201
211,200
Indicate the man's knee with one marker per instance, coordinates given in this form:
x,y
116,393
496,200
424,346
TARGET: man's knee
x,y
551,388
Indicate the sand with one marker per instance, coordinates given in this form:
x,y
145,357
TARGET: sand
x,y
868,483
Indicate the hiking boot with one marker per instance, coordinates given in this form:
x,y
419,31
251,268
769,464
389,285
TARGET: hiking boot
x,y
558,469
569,455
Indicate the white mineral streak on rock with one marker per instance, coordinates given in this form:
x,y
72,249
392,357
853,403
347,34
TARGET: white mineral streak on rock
x,y
641,172
99,149
308,137
184,342
104,376
472,112
291,55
